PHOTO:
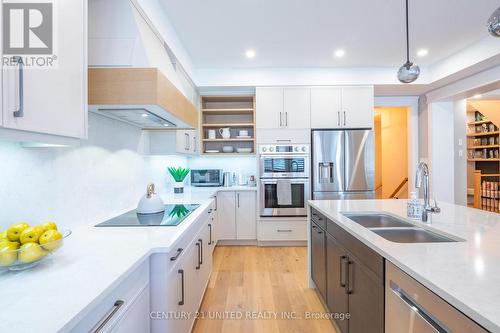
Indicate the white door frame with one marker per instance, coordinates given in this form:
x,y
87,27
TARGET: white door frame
x,y
411,103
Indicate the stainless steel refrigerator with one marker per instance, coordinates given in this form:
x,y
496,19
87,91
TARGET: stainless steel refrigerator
x,y
343,164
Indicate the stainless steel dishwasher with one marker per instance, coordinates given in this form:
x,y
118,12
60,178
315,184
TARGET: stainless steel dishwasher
x,y
412,308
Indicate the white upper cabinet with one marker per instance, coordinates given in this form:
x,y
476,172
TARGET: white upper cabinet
x,y
187,142
357,107
269,107
297,107
326,107
342,107
52,100
278,107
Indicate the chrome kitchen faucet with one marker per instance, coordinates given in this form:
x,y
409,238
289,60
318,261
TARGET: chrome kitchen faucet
x,y
423,173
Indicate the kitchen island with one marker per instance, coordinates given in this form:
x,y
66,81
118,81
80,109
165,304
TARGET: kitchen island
x,y
465,273
58,294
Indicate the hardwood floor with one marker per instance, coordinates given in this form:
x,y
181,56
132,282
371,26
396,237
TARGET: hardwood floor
x,y
252,281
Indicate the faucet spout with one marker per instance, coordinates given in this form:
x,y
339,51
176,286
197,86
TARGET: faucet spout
x,y
422,181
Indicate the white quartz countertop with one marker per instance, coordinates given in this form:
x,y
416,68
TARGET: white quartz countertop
x,y
93,260
466,274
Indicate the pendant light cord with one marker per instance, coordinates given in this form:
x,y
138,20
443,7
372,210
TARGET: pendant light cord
x,y
407,36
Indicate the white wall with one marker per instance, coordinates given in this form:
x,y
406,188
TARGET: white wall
x,y
73,186
441,151
460,151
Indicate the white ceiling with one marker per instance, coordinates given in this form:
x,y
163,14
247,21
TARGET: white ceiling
x,y
305,33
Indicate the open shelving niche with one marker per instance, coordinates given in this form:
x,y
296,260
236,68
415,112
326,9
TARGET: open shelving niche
x,y
235,112
483,167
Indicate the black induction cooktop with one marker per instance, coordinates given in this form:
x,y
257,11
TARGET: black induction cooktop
x,y
172,216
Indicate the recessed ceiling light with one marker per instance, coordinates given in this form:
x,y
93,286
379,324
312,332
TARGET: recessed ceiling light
x,y
166,125
478,96
339,53
144,115
250,54
422,52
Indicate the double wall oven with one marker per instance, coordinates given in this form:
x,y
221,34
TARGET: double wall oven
x,y
284,180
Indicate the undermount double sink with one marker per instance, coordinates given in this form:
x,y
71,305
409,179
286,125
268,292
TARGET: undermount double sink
x,y
397,230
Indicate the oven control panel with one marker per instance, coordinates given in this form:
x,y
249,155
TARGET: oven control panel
x,y
284,149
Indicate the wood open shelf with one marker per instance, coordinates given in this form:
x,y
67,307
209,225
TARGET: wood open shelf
x,y
228,140
228,111
483,159
483,134
472,123
482,147
229,125
235,112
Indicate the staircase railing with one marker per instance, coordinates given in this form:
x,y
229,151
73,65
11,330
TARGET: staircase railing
x,y
398,189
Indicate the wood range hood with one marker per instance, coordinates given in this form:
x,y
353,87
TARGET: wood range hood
x,y
143,97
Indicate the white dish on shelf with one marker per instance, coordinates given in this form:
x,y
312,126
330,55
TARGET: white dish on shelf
x,y
243,137
244,150
212,151
227,149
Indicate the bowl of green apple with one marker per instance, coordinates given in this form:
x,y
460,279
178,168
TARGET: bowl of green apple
x,y
23,246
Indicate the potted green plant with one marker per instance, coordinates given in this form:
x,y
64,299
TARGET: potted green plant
x,y
178,174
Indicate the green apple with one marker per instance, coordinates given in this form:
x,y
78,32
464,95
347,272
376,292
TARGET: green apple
x,y
15,230
31,234
8,254
51,240
49,225
31,252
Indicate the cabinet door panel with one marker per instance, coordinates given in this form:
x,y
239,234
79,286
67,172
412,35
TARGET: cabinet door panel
x,y
366,299
357,107
318,259
246,224
54,98
337,297
226,215
297,108
136,318
269,107
326,107
183,141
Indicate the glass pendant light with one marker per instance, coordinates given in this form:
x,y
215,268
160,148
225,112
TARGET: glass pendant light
x,y
408,72
494,23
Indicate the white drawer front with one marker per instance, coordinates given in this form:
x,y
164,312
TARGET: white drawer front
x,y
283,230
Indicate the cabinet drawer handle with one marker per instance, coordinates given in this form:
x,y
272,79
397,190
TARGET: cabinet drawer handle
x,y
19,113
181,272
284,230
350,277
338,119
343,270
344,118
281,119
210,211
201,251
210,232
286,119
174,258
118,304
199,248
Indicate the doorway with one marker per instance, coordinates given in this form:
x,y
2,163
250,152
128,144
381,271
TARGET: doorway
x,y
391,152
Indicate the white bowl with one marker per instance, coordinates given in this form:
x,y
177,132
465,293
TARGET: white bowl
x,y
228,149
244,150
